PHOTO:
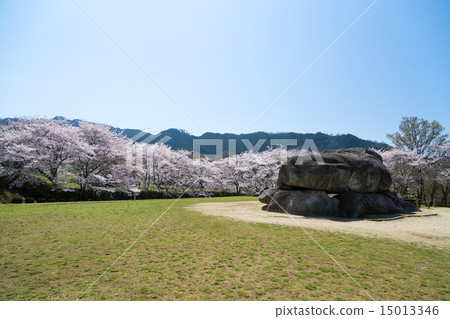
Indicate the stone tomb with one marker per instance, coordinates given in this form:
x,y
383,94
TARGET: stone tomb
x,y
350,183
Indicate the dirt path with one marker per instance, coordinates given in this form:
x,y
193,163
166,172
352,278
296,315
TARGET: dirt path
x,y
433,230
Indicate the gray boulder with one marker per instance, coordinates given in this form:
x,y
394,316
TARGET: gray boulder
x,y
406,207
354,169
267,195
356,205
305,203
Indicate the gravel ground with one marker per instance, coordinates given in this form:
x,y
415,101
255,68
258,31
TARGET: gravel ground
x,y
434,230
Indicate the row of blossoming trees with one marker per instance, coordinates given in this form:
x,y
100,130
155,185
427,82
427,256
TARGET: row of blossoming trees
x,y
91,160
425,177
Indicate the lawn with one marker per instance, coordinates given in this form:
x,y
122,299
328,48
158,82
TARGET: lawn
x,y
56,251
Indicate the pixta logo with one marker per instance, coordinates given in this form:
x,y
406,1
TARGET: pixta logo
x,y
309,150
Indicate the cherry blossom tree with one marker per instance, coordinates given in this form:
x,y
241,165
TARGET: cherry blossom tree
x,y
37,148
201,172
443,171
100,162
162,169
407,170
417,175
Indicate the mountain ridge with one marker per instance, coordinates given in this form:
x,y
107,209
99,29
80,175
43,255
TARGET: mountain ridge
x,y
181,139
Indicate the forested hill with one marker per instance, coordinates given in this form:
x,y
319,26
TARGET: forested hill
x,y
180,139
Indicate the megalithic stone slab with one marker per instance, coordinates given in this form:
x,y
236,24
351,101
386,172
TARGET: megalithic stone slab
x,y
355,169
356,205
305,203
266,196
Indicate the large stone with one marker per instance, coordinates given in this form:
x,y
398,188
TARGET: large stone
x,y
356,205
304,202
354,169
266,195
406,207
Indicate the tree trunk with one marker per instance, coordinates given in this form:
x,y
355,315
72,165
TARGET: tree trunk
x,y
238,189
83,192
445,190
433,193
421,192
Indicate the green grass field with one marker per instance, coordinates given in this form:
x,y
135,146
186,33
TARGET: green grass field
x,y
55,252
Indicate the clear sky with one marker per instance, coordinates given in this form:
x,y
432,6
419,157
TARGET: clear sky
x,y
226,61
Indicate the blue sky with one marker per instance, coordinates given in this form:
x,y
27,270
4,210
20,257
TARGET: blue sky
x,y
226,61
